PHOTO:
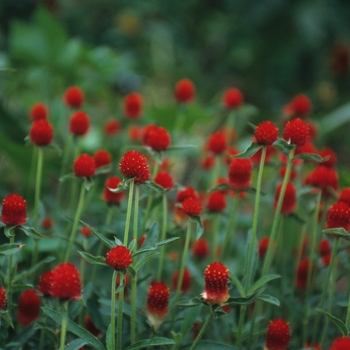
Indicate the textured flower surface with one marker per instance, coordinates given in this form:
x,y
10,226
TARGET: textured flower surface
x,y
79,123
157,138
73,97
191,206
38,111
240,172
323,177
28,307
41,133
164,179
14,210
232,98
338,216
216,284
65,282
186,281
3,298
184,91
119,257
102,158
133,105
44,286
342,343
134,165
84,166
289,202
216,202
266,133
297,132
109,196
217,143
158,299
301,105
278,335
185,193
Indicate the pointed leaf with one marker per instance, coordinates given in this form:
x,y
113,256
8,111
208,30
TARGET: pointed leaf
x,y
31,232
155,246
297,218
5,315
189,320
152,234
220,187
311,157
238,285
118,241
199,225
283,146
103,170
190,302
123,186
243,301
105,240
9,231
153,186
88,182
7,249
339,323
180,147
75,344
209,345
269,299
262,281
145,258
250,151
95,260
109,338
33,269
67,176
339,232
156,341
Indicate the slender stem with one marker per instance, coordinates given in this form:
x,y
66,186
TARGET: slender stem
x,y
128,213
114,280
76,221
64,324
240,325
202,331
120,319
347,322
217,168
136,214
163,236
9,287
299,256
215,232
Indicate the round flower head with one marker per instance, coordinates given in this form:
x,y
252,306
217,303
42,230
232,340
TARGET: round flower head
x,y
158,299
325,247
266,133
112,127
230,152
191,206
38,111
102,158
85,231
187,192
184,91
73,97
84,166
28,307
216,284
44,286
79,123
289,202
297,132
216,202
217,143
47,223
327,152
165,180
342,343
133,105
119,258
263,246
200,249
278,335
65,282
14,210
41,133
186,281
232,98
338,216
157,138
135,133
302,273
109,196
240,173
344,196
301,105
134,165
311,346
323,177
208,162
3,298
308,148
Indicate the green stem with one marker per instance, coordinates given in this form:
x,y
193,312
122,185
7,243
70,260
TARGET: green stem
x,y
114,281
120,318
202,331
9,287
64,324
163,237
299,256
215,232
128,213
76,221
240,325
217,168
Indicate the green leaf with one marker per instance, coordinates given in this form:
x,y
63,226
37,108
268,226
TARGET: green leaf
x,y
217,311
7,249
311,157
262,281
269,299
156,341
102,238
47,330
243,301
190,302
109,338
67,176
33,269
132,245
209,345
6,316
123,186
76,329
95,260
180,147
238,285
340,232
152,234
31,232
75,344
283,146
189,320
153,186
117,241
220,187
103,170
144,259
297,218
20,287
88,182
22,338
155,246
199,224
8,231
250,151
339,323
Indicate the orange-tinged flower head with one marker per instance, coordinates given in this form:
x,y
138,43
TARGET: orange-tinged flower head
x,y
134,165
338,216
342,343
133,104
44,286
289,202
297,132
3,298
278,335
240,173
164,179
14,210
186,281
217,143
41,133
184,91
102,158
84,166
216,202
73,97
79,123
109,196
38,111
191,206
266,133
28,307
232,98
119,257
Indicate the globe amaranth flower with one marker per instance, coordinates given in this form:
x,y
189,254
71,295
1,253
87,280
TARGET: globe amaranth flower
x,y
328,152
156,137
201,249
133,104
14,210
217,143
119,257
191,206
232,98
38,111
289,202
41,133
325,247
301,105
278,335
84,166
184,91
135,133
85,231
73,97
134,165
297,132
185,193
79,123
216,202
44,286
47,223
3,298
90,326
65,282
323,177
240,173
341,343
311,346
338,216
186,281
102,158
165,180
263,246
112,127
266,133
28,307
344,195
208,162
109,196
302,273
216,284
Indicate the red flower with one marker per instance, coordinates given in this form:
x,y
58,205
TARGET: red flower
x,y
135,133
156,137
216,284
327,152
323,177
342,343
263,246
38,111
191,206
266,133
134,165
47,223
302,273
184,91
338,215
325,247
28,307
315,346
326,260
217,143
240,173
208,162
79,123
165,180
86,232
186,281
112,127
289,202
65,282
308,148
256,157
297,132
278,335
14,210
200,249
84,166
344,196
44,286
133,105
41,133
109,196
230,152
301,105
90,327
102,158
158,300
73,97
232,98
3,298
216,202
187,192
119,258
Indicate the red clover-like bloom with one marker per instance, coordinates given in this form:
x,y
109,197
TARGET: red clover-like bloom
x,y
289,202
28,307
119,257
186,281
344,196
73,97
41,133
165,180
338,216
216,202
3,298
109,196
38,111
157,138
278,335
323,177
191,206
85,231
185,193
201,249
266,133
134,165
342,343
184,91
102,158
158,299
14,210
84,166
112,127
302,273
232,98
263,246
217,143
44,286
133,104
240,173
301,105
327,152
297,132
325,247
79,123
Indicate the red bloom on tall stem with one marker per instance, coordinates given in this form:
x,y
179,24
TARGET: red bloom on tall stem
x,y
157,138
342,343
73,97
201,249
158,300
297,132
109,196
3,298
79,123
325,247
216,202
323,177
28,307
302,273
263,246
185,193
44,286
191,206
14,210
278,335
240,173
217,143
338,216
112,127
301,105
84,166
186,281
327,152
266,133
133,104
232,98
38,111
344,196
184,91
289,202
165,180
119,258
102,158
41,133
134,165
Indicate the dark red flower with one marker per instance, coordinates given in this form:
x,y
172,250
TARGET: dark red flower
x,y
28,307
186,281
323,178
158,299
342,343
232,98
164,179
301,105
216,284
338,216
47,223
266,133
344,196
185,193
216,202
230,152
208,162
79,123
14,210
73,97
308,148
84,166
327,152
217,143
90,327
102,158
44,286
133,104
191,206
311,346
326,259
135,133
134,165
289,200
297,132
278,335
200,249
65,282
38,111
109,196
3,298
119,257
263,246
325,247
240,173
302,273
184,91
292,176
157,138
85,231
41,133
256,157
112,127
